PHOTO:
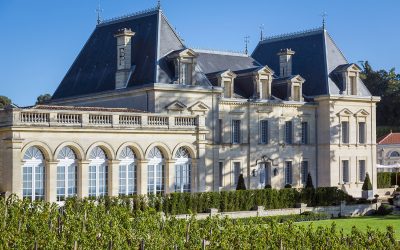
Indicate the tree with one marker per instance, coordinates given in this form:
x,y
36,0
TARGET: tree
x,y
42,99
367,183
4,101
309,183
241,185
385,84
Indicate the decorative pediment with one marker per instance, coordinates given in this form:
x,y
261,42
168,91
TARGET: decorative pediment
x,y
265,71
176,106
182,53
344,112
361,112
297,78
199,107
227,74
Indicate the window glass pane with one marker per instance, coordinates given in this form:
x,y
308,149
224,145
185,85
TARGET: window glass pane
x,y
289,132
345,169
235,131
361,166
304,132
288,172
361,132
304,171
345,132
237,170
264,132
221,173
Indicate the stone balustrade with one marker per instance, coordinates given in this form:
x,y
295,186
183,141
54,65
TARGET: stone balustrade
x,y
78,118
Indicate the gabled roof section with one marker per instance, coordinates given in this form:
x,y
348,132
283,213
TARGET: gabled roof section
x,y
391,138
176,106
94,69
199,106
344,112
316,58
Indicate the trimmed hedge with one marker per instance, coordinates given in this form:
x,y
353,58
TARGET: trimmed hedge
x,y
387,180
240,200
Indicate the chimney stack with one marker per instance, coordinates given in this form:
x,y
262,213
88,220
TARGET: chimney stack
x,y
285,62
124,57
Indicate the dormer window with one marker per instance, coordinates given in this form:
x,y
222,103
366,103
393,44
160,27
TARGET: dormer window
x,y
185,64
263,79
226,80
348,74
296,93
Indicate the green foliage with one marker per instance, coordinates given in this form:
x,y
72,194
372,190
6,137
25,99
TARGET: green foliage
x,y
112,223
268,186
288,186
367,183
309,183
385,84
4,101
387,179
42,99
384,210
240,184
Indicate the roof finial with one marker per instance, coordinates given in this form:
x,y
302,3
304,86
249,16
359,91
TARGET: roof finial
x,y
246,42
324,15
261,32
99,10
159,4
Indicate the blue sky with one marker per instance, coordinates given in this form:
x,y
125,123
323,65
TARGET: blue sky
x,y
40,39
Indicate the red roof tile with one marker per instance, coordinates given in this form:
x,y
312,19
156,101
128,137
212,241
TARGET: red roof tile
x,y
391,138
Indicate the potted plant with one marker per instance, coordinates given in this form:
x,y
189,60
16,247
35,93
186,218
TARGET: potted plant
x,y
367,192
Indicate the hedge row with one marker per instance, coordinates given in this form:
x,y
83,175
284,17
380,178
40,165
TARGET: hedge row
x,y
306,216
387,180
241,200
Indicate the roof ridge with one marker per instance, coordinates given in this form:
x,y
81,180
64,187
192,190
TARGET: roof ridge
x,y
382,138
337,47
130,15
173,30
291,34
221,52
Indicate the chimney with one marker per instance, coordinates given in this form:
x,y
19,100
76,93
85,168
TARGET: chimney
x,y
285,62
124,57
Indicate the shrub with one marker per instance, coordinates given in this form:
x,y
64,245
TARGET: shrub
x,y
268,186
398,189
367,183
384,180
384,209
309,183
288,186
241,185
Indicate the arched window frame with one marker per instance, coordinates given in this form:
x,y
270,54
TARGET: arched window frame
x,y
183,170
155,172
127,172
394,154
98,173
33,174
67,175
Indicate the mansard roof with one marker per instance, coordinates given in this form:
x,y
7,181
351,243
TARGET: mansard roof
x,y
317,56
94,69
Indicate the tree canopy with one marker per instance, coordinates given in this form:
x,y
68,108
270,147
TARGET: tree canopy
x,y
43,98
385,84
4,101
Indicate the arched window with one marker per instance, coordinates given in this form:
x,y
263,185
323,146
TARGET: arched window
x,y
394,154
127,172
155,172
98,173
182,170
33,174
66,174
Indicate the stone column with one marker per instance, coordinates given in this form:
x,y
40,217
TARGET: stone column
x,y
141,177
51,181
193,176
113,177
169,176
83,183
12,167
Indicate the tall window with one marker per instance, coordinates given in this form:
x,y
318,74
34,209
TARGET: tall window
x,y
66,174
220,131
236,172
304,133
127,172
304,171
264,132
98,173
296,94
361,132
235,131
221,173
361,169
186,73
353,85
182,170
345,132
288,172
289,132
33,174
345,171
155,172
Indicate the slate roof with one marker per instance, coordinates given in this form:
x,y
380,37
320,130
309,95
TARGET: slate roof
x,y
315,59
391,138
94,69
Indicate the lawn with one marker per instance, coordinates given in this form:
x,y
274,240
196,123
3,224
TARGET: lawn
x,y
374,222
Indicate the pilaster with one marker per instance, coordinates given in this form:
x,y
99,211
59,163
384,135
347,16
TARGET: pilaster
x,y
113,177
51,181
83,183
142,177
